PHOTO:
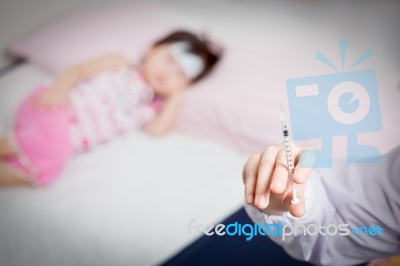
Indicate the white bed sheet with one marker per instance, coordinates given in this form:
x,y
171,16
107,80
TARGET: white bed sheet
x,y
129,202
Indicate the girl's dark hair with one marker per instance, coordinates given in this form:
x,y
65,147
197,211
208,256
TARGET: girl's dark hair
x,y
200,47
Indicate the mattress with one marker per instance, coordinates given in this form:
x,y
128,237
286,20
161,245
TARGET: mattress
x,y
128,202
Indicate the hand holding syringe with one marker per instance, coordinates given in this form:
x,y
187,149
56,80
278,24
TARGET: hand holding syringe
x,y
274,181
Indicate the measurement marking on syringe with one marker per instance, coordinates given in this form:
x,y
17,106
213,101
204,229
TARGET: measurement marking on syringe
x,y
289,158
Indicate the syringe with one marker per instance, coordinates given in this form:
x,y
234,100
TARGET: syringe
x,y
289,157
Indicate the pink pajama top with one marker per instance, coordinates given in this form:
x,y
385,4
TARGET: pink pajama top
x,y
108,104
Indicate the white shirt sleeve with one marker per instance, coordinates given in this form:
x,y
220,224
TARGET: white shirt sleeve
x,y
352,196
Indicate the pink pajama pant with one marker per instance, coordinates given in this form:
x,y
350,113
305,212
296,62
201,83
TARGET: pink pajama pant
x,y
42,137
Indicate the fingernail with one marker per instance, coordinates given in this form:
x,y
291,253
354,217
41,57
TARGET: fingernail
x,y
250,198
261,201
278,185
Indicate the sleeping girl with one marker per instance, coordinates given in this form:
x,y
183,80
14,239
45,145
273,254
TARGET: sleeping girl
x,y
95,101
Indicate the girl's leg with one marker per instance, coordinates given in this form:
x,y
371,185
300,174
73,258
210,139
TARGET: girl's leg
x,y
6,148
9,178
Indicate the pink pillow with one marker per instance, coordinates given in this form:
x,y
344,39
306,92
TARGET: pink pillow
x,y
89,33
240,103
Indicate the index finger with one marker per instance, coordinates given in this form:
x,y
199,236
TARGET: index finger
x,y
281,173
265,170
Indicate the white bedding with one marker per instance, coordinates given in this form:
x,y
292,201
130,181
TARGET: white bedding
x,y
127,203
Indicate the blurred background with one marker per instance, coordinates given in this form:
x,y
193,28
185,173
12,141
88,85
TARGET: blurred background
x,y
266,43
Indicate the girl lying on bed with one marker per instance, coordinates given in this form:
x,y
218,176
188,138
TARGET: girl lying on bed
x,y
95,101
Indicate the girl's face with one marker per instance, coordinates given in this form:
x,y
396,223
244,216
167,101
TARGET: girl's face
x,y
162,72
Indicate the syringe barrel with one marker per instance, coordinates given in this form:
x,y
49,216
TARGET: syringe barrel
x,y
289,158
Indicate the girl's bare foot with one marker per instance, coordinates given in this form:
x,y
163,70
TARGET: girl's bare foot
x,y
9,178
6,148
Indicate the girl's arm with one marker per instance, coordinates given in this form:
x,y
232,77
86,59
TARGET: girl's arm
x,y
165,120
75,74
58,95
